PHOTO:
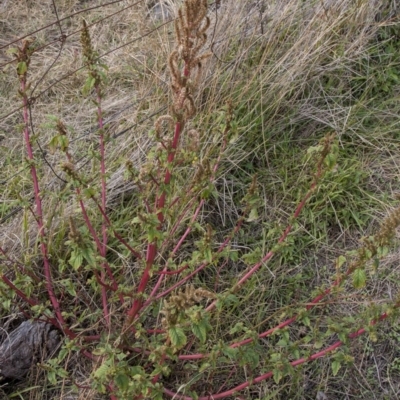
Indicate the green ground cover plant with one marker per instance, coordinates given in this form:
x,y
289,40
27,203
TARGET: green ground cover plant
x,y
228,228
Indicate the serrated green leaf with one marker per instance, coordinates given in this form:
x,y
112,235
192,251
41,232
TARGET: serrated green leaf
x,y
208,255
253,216
89,256
177,336
64,143
101,372
330,160
278,375
76,259
340,261
383,251
359,278
54,143
122,381
6,304
234,255
62,354
69,285
62,373
90,81
230,352
200,331
335,367
250,357
51,376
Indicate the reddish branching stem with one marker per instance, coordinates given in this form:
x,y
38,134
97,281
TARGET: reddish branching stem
x,y
270,374
103,248
24,57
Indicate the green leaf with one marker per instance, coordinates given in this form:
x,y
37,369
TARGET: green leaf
x,y
54,143
22,68
230,352
340,261
51,376
122,381
200,331
383,251
330,160
88,85
6,304
76,259
278,375
89,256
89,192
69,285
253,216
62,354
208,255
204,366
234,255
177,336
359,278
64,143
251,357
12,51
306,320
101,372
136,220
335,367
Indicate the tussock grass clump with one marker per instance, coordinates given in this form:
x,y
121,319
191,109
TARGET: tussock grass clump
x,y
202,203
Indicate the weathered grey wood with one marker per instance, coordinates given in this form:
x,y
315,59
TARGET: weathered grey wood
x,y
31,342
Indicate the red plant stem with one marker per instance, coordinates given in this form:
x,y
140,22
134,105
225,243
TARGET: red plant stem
x,y
188,230
92,230
34,302
96,239
103,249
30,301
160,203
137,304
269,374
178,271
164,271
202,266
20,266
268,256
167,179
152,247
283,324
39,212
178,221
310,305
283,237
196,213
116,234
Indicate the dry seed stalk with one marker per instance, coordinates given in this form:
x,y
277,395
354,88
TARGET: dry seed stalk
x,y
181,301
